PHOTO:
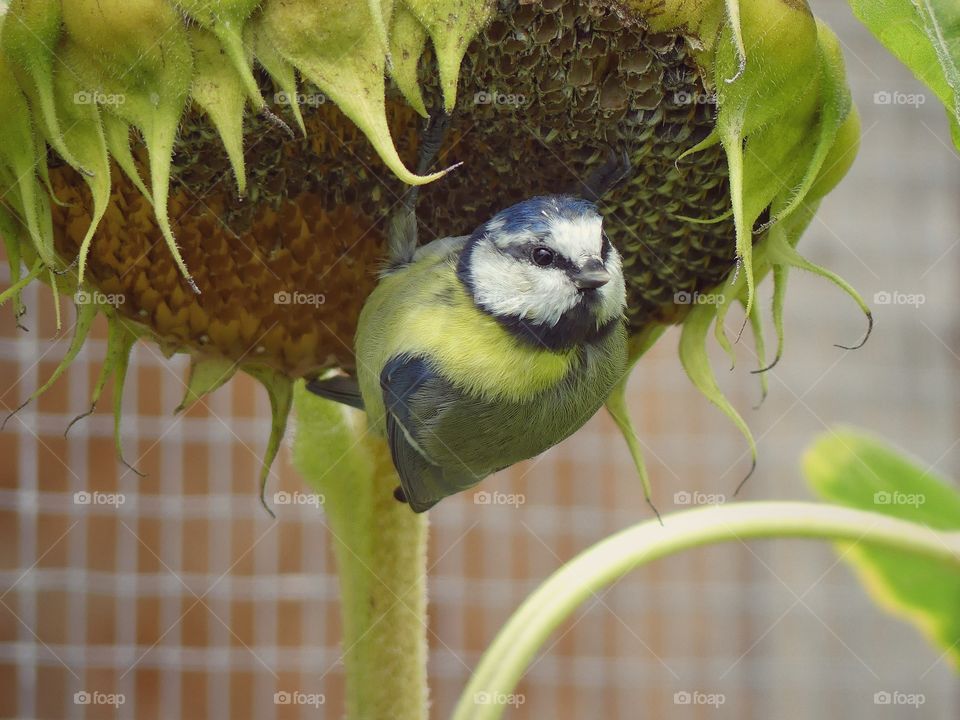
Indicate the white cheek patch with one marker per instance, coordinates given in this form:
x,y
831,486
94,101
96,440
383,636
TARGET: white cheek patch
x,y
613,299
506,286
577,237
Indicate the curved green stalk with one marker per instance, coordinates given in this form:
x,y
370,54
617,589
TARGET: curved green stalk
x,y
380,547
507,658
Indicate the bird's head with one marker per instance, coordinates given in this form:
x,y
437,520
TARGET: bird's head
x,y
545,269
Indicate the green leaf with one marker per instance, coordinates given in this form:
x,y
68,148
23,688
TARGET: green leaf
x,y
856,470
925,36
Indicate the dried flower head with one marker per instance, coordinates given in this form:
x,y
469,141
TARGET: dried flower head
x,y
148,155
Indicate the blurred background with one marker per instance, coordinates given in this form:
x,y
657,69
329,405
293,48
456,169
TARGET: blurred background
x,y
191,602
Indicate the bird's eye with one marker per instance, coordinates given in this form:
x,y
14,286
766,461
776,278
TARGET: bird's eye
x,y
542,256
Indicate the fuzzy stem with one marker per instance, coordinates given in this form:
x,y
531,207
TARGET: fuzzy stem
x,y
507,658
380,548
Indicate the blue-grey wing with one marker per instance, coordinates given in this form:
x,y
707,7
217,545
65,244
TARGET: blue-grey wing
x,y
338,388
444,440
414,398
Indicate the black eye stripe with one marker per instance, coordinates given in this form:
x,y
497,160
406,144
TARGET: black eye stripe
x,y
605,246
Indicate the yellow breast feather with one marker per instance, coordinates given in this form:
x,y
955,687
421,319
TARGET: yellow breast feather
x,y
436,318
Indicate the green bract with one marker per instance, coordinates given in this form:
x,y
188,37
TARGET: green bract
x,y
79,76
782,99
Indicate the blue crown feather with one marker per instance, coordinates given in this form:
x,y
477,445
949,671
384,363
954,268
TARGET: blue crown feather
x,y
535,214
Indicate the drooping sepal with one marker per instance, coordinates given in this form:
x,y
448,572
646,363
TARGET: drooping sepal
x,y
758,75
19,156
219,89
31,32
120,340
206,375
280,389
86,312
408,37
83,136
138,56
334,49
279,69
116,132
451,25
696,363
226,19
616,405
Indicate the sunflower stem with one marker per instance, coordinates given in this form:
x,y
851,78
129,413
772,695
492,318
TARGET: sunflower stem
x,y
492,686
380,550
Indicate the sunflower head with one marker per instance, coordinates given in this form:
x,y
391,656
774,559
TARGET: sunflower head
x,y
218,177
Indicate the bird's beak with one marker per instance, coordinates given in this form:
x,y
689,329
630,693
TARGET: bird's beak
x,y
591,275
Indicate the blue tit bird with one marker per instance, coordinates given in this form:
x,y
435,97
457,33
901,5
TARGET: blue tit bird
x,y
476,352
